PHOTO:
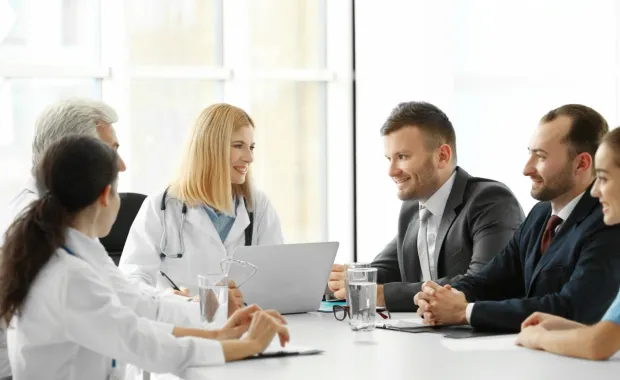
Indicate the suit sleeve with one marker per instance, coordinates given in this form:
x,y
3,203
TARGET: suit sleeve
x,y
386,262
501,278
494,215
398,295
584,297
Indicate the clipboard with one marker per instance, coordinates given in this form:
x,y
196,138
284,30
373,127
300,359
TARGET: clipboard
x,y
275,351
281,354
450,332
405,326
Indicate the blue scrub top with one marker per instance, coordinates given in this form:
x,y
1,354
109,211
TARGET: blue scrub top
x,y
222,223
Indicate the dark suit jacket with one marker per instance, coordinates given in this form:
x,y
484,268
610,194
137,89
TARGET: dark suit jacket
x,y
479,219
577,278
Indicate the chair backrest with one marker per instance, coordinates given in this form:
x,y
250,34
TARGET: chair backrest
x,y
115,241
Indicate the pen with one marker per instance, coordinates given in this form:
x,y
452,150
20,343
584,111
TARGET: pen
x,y
174,286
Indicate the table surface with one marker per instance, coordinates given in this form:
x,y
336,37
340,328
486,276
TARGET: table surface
x,y
383,354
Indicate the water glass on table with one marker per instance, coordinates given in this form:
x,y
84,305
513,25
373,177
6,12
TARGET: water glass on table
x,y
213,294
362,298
346,282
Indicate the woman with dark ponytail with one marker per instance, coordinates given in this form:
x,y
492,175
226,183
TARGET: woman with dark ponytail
x,y
65,319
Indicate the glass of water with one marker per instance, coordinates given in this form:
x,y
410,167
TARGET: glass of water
x,y
362,298
346,281
213,294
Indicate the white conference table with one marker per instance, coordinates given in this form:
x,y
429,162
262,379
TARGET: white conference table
x,y
392,355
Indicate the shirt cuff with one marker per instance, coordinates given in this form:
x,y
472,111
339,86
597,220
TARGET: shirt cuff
x,y
167,328
468,311
172,297
191,312
209,352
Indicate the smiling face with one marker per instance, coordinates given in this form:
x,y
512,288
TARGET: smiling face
x,y
412,165
241,154
607,185
550,166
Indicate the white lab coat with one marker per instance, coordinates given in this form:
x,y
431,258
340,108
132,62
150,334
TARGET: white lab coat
x,y
204,250
171,309
74,323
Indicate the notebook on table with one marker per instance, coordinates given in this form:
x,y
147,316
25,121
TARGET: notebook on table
x,y
417,326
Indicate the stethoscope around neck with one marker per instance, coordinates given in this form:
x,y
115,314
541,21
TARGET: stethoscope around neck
x,y
163,243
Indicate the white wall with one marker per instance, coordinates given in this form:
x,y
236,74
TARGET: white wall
x,y
495,67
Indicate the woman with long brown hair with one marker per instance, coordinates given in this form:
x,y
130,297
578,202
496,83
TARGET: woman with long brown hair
x,y
66,320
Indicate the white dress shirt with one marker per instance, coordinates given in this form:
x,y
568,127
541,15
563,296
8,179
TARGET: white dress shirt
x,y
436,204
73,324
564,214
169,308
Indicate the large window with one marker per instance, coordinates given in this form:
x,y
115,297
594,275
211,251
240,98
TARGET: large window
x,y
495,67
160,62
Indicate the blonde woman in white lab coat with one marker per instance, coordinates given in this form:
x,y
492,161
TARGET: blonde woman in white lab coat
x,y
68,321
209,210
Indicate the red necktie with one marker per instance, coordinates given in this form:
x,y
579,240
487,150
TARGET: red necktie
x,y
549,233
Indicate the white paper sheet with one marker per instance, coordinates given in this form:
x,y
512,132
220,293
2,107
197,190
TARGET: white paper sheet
x,y
402,323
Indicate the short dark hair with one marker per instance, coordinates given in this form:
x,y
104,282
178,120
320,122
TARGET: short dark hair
x,y
587,129
428,118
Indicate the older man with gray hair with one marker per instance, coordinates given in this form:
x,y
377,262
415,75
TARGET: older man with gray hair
x,y
75,116
95,118
67,117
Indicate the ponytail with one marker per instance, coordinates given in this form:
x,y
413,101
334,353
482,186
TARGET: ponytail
x,y
71,176
29,244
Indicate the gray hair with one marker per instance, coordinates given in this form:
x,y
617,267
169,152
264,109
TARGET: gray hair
x,y
76,116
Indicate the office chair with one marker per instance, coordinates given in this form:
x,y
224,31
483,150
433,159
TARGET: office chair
x,y
115,241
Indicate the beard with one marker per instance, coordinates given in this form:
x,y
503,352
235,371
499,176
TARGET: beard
x,y
425,183
555,186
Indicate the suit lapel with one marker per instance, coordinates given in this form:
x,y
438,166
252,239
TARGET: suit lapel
x,y
454,200
581,211
411,263
534,262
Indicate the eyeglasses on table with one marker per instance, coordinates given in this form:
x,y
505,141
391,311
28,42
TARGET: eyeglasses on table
x,y
342,312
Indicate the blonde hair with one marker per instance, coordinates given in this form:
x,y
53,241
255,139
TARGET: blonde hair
x,y
204,174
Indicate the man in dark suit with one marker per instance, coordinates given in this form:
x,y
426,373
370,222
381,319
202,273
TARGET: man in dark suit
x,y
562,260
450,223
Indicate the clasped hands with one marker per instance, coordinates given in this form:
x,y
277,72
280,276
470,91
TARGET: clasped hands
x,y
441,305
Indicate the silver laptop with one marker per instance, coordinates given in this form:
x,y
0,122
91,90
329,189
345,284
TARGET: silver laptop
x,y
290,278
